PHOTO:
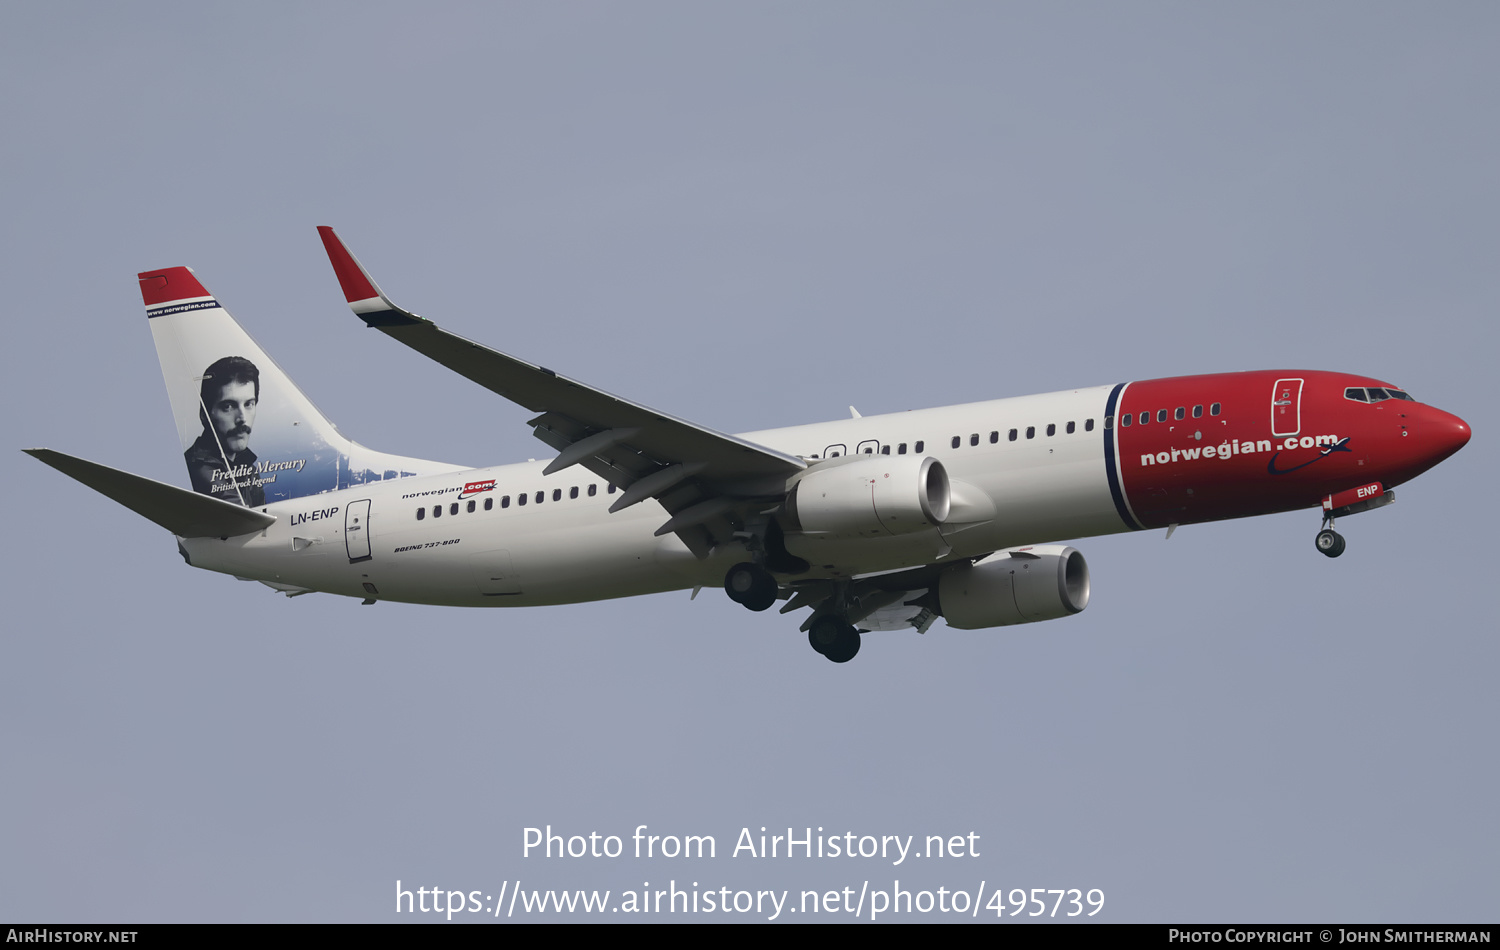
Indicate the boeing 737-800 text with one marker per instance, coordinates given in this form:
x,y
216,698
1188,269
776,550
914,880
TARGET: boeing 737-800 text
x,y
873,523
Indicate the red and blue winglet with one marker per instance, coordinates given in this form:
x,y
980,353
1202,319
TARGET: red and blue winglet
x,y
364,297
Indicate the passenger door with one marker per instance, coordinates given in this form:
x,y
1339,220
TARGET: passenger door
x,y
1286,407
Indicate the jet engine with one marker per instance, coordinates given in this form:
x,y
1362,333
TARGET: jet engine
x,y
871,496
1018,586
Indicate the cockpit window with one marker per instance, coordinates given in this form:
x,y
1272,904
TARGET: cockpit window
x,y
1375,394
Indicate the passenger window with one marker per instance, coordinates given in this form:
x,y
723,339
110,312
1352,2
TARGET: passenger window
x,y
1180,414
1109,423
885,450
994,437
1198,411
557,494
611,488
472,505
1013,435
453,509
1145,418
573,492
1214,409
1051,429
901,449
541,496
1088,425
505,502
918,446
593,490
489,504
1071,427
1031,432
1125,419
421,513
974,439
437,511
1161,415
521,498
957,441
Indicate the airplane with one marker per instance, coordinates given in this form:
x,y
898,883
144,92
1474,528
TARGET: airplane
x,y
871,523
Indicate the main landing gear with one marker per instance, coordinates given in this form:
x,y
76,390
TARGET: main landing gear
x,y
755,587
834,637
750,585
1329,542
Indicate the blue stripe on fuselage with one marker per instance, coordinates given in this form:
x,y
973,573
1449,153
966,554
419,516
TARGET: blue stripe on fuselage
x,y
1115,491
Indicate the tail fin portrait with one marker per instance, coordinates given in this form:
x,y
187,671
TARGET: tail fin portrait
x,y
249,436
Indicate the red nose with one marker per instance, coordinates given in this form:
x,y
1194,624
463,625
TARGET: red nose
x,y
1444,434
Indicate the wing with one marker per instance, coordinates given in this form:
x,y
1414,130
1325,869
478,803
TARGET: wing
x,y
709,482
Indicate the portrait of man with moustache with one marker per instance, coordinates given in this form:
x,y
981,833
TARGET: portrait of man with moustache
x,y
220,462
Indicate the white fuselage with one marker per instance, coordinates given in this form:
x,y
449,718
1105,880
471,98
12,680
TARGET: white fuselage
x,y
369,541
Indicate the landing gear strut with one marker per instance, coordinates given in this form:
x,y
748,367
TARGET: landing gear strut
x,y
834,637
750,585
1329,542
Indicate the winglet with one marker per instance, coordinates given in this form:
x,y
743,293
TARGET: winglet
x,y
360,290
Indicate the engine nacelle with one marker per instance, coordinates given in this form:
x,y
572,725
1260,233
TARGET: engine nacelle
x,y
1019,586
871,496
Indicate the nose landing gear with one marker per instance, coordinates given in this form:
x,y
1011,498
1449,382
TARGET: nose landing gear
x,y
1329,542
1350,502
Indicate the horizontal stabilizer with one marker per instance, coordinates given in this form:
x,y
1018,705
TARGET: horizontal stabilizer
x,y
186,514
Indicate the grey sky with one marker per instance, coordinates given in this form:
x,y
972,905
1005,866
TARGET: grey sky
x,y
750,216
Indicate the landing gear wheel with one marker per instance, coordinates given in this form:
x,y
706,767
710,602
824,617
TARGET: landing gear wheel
x,y
824,633
1330,543
847,647
834,638
750,585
